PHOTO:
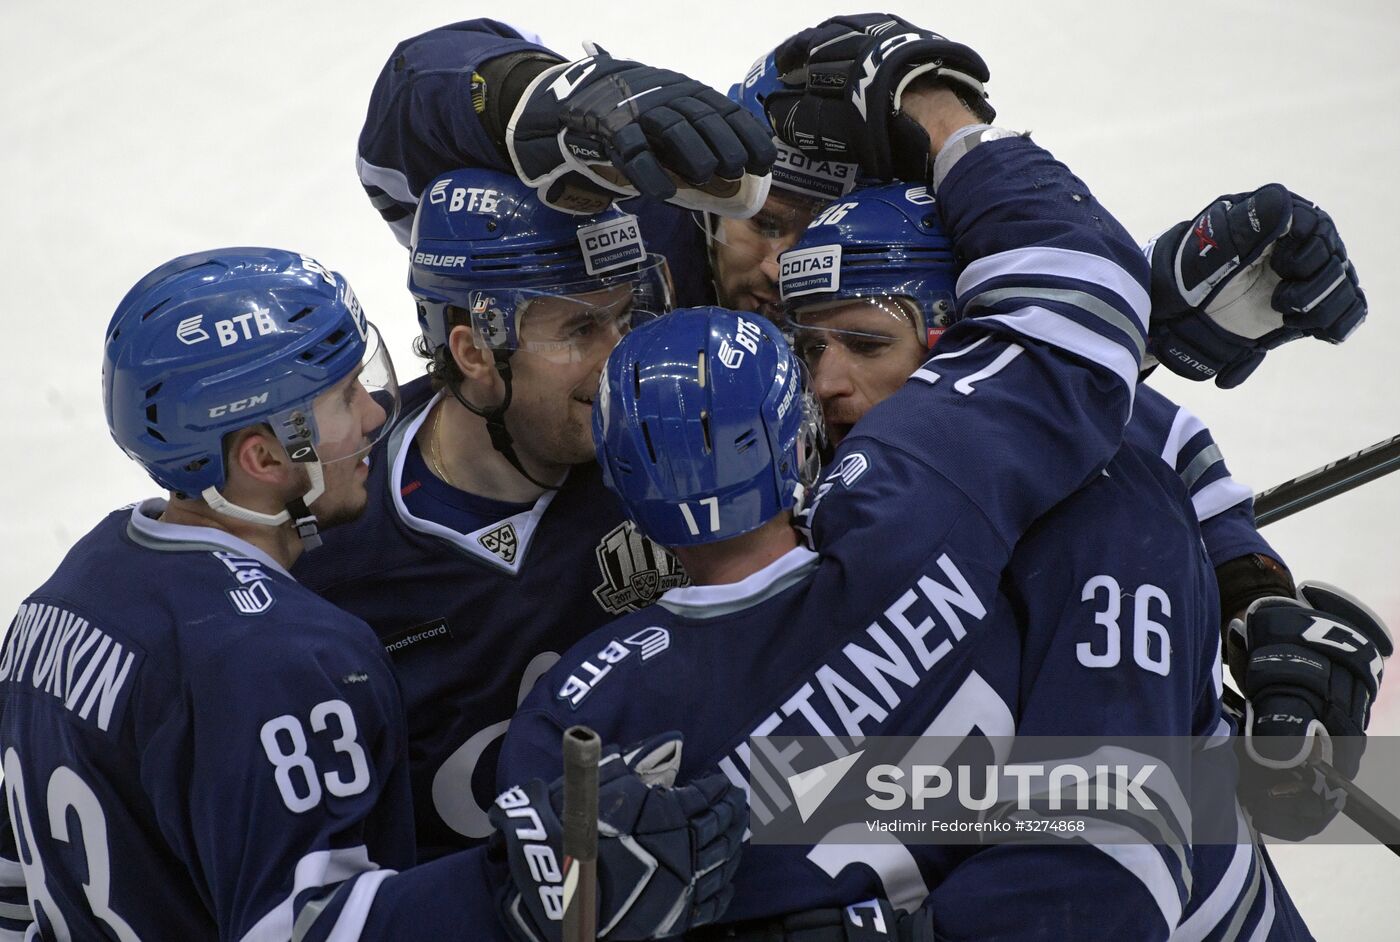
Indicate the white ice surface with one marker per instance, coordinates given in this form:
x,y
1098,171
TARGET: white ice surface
x,y
134,132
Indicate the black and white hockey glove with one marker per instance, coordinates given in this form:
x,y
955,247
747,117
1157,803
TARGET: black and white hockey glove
x,y
843,83
1250,273
588,132
666,854
1312,666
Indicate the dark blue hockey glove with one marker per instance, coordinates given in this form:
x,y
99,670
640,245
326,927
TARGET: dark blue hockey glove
x,y
588,132
1313,666
1250,273
666,854
873,920
844,80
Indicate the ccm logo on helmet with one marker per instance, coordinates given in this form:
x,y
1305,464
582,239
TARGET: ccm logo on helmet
x,y
238,405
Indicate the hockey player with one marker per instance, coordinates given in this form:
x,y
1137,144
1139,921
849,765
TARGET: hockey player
x,y
194,745
862,326
699,431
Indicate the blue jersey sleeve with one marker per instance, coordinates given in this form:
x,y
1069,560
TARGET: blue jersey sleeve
x,y
1224,506
1026,397
422,120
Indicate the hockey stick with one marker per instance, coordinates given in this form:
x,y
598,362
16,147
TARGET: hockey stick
x,y
1328,481
581,751
1379,822
1288,498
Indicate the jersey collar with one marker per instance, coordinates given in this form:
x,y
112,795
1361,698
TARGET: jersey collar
x,y
144,528
712,601
501,545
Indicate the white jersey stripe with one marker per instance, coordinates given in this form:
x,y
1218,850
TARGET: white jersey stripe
x,y
1226,895
1060,263
1185,427
320,868
1145,862
1052,328
1218,496
1266,921
356,910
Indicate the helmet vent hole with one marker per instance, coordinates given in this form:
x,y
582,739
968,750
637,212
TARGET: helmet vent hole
x,y
700,369
156,435
196,464
157,307
705,431
651,450
151,415
300,314
745,441
334,338
637,387
152,390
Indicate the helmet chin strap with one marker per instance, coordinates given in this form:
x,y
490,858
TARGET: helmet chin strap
x,y
496,421
298,510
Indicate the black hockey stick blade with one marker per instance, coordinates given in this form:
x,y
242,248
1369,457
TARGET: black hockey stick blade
x,y
1331,479
582,749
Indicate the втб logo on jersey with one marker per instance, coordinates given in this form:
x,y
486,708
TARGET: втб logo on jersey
x,y
635,570
649,642
254,595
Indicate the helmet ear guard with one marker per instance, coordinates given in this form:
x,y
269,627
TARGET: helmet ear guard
x,y
704,427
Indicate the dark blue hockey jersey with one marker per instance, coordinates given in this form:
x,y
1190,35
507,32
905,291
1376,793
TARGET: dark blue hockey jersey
x,y
470,621
1224,506
197,747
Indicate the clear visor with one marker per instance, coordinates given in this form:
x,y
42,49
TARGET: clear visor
x,y
360,409
811,435
744,252
571,323
866,328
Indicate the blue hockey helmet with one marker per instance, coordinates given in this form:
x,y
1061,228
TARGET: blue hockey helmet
x,y
218,341
704,426
485,245
882,245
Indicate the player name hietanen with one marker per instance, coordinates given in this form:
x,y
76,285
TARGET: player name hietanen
x,y
65,655
853,690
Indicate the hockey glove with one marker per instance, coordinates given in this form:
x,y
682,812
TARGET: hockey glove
x,y
666,854
1312,667
873,920
588,132
1250,273
843,83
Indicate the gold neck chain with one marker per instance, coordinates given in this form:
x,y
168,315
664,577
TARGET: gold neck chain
x,y
435,449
